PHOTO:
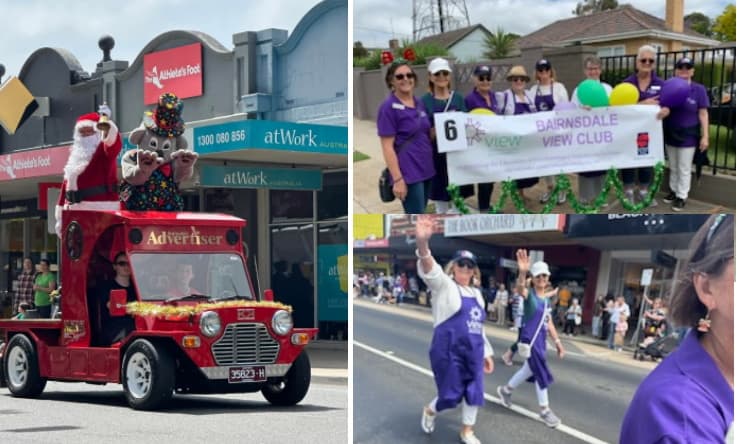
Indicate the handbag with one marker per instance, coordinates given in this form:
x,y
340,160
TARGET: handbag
x,y
525,349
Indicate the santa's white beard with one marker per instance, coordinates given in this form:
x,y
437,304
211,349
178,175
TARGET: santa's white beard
x,y
82,151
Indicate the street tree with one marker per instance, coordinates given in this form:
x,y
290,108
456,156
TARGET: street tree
x,y
699,23
499,44
724,25
588,7
359,50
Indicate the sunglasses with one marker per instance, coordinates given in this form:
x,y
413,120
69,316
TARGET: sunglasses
x,y
484,78
543,69
647,61
465,263
684,67
442,73
409,75
517,79
122,263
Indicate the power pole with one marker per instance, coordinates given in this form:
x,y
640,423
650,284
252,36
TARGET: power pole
x,y
430,17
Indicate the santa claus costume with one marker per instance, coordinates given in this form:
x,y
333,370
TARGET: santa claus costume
x,y
91,173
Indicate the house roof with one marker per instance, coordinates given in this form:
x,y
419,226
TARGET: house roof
x,y
624,20
450,38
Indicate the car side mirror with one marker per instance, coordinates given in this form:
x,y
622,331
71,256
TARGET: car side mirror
x,y
269,295
118,302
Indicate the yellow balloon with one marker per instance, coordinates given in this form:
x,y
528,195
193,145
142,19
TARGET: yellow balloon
x,y
482,111
624,94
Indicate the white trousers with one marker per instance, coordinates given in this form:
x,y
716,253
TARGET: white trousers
x,y
468,412
521,376
679,163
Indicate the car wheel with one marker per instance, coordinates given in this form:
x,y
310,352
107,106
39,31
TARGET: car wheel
x,y
293,387
20,366
148,375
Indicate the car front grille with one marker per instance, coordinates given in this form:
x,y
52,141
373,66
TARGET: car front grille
x,y
245,344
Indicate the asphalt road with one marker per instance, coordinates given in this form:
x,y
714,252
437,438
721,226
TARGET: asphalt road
x,y
81,413
590,395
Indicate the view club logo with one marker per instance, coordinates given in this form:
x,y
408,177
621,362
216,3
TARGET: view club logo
x,y
177,70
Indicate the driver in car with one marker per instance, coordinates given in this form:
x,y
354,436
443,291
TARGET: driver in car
x,y
180,282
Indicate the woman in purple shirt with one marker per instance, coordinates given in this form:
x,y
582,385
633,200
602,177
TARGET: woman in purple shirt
x,y
404,130
482,97
689,397
648,84
686,128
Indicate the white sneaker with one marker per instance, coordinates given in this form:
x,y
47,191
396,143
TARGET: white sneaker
x,y
545,197
549,418
643,196
630,196
561,197
428,421
505,397
469,438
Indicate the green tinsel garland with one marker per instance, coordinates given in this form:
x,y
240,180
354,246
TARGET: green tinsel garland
x,y
563,184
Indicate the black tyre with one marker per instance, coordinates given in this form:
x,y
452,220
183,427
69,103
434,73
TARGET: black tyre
x,y
148,375
20,368
293,387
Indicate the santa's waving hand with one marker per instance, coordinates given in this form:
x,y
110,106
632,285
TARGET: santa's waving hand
x,y
91,173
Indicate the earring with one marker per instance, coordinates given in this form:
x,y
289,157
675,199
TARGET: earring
x,y
704,324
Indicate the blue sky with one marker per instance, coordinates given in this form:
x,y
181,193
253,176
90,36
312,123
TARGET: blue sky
x,y
376,21
77,25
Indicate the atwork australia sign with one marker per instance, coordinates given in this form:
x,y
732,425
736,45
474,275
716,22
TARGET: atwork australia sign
x,y
489,148
270,135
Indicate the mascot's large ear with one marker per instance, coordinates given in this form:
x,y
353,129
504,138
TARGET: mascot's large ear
x,y
181,143
137,134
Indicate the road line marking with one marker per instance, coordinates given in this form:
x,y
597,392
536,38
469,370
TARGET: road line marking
x,y
515,408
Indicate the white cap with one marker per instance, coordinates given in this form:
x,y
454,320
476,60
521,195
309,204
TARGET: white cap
x,y
539,268
438,64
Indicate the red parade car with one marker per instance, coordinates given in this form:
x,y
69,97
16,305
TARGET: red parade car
x,y
219,338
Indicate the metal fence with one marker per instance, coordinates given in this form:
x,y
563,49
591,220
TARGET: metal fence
x,y
715,69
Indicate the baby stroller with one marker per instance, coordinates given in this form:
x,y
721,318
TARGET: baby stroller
x,y
656,347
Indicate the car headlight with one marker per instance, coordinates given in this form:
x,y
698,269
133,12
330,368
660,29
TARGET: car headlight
x,y
210,323
282,322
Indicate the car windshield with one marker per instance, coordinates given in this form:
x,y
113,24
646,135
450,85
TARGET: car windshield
x,y
178,276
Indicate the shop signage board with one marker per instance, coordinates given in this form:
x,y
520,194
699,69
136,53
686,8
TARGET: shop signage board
x,y
177,70
219,176
478,224
332,284
33,163
270,135
595,225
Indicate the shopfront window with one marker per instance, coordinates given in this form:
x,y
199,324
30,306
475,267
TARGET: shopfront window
x,y
292,270
332,200
290,205
332,285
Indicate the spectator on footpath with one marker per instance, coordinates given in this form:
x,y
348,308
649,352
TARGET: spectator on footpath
x,y
26,278
596,320
490,295
43,285
501,294
620,331
537,325
689,397
502,300
618,308
460,353
573,318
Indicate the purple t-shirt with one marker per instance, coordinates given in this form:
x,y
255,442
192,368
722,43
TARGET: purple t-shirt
x,y
687,115
684,400
652,90
412,126
475,100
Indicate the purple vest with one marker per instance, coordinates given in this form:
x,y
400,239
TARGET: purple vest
x,y
537,361
544,102
457,355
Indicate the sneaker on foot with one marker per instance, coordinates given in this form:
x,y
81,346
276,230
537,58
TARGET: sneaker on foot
x,y
507,359
469,438
670,198
549,418
678,204
428,421
643,196
561,197
504,396
545,197
630,196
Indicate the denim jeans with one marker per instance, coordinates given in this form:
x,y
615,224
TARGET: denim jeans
x,y
610,338
644,176
417,195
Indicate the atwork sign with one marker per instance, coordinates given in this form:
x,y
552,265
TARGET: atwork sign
x,y
267,134
177,70
490,148
257,177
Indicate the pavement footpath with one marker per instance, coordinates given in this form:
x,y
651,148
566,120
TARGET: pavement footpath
x,y
329,360
366,177
581,344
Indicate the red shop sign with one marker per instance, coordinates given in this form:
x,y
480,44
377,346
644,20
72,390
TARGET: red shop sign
x,y
176,70
35,163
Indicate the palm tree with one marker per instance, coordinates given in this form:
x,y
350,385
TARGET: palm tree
x,y
499,44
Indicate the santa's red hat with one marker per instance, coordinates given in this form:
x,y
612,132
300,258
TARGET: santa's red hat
x,y
89,119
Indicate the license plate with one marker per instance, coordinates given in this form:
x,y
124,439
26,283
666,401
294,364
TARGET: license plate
x,y
246,374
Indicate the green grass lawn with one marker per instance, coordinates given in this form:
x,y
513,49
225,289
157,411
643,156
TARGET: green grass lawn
x,y
722,148
359,156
